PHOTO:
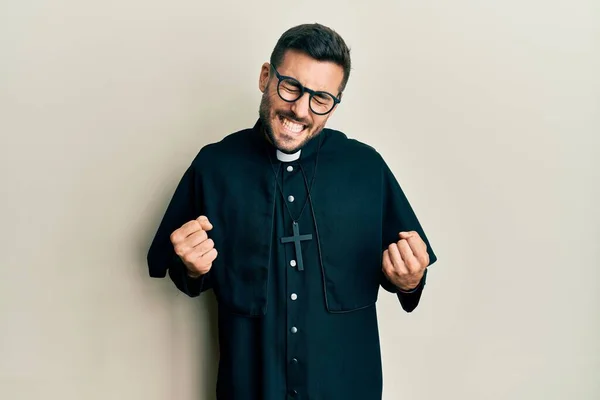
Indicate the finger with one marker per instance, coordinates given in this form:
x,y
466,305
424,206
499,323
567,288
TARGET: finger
x,y
414,240
204,223
192,257
209,257
396,257
411,262
200,259
386,264
189,243
407,234
184,231
419,249
413,236
205,246
195,239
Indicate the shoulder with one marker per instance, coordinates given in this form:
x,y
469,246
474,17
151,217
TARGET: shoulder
x,y
232,145
345,146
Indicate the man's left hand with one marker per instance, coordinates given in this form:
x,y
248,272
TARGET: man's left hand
x,y
405,261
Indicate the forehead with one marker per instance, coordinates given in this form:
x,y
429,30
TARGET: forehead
x,y
317,75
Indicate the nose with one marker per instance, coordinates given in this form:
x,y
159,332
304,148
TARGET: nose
x,y
301,106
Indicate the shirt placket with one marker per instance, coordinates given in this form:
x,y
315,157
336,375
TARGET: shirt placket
x,y
294,196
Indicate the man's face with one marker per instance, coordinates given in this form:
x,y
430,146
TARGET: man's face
x,y
289,126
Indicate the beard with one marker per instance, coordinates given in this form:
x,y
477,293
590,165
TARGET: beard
x,y
267,114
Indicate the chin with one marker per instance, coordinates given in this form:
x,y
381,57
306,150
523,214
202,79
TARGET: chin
x,y
286,146
289,137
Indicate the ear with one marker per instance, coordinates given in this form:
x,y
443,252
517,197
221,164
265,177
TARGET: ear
x,y
263,78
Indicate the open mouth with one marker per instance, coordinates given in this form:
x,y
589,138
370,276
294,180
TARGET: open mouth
x,y
290,127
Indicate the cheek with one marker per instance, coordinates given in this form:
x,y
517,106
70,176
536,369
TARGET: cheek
x,y
278,106
318,122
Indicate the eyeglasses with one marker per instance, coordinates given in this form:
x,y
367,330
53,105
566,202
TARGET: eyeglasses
x,y
290,90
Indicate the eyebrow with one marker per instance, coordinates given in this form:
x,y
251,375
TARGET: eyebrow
x,y
309,87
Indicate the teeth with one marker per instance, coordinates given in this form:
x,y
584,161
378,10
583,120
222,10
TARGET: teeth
x,y
291,126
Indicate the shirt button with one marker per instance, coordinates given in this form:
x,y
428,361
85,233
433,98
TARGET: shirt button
x,y
293,263
290,168
294,361
291,199
293,393
294,329
294,296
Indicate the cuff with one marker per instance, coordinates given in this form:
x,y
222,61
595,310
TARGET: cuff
x,y
187,284
416,288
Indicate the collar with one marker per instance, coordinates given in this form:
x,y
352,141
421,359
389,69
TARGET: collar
x,y
305,153
283,157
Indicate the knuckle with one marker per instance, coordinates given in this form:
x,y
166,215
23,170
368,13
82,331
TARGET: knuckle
x,y
415,264
188,258
426,259
178,250
385,265
207,267
392,271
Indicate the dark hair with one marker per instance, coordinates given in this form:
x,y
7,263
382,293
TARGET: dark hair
x,y
317,41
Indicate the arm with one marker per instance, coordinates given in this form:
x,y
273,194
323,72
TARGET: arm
x,y
399,216
161,257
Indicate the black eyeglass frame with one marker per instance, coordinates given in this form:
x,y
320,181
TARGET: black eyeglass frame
x,y
304,89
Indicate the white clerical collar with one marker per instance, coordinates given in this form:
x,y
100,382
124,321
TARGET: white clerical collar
x,y
281,156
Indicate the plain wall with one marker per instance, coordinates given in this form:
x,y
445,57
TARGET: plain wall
x,y
488,112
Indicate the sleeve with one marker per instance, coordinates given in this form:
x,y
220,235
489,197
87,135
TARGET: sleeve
x,y
183,207
188,285
398,215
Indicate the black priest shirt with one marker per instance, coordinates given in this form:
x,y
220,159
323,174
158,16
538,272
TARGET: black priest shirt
x,y
299,267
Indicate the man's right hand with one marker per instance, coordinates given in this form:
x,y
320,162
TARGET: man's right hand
x,y
194,247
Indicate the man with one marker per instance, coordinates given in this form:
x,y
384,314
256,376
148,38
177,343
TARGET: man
x,y
295,227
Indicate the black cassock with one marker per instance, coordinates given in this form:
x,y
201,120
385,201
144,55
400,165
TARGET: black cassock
x,y
292,325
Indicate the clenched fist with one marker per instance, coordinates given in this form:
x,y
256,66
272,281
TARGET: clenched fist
x,y
404,262
194,247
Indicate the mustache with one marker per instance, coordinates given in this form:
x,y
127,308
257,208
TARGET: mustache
x,y
292,117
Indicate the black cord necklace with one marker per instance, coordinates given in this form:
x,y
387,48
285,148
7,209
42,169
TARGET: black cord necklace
x,y
297,238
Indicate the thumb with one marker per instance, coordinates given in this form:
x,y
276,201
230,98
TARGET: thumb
x,y
405,235
204,223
